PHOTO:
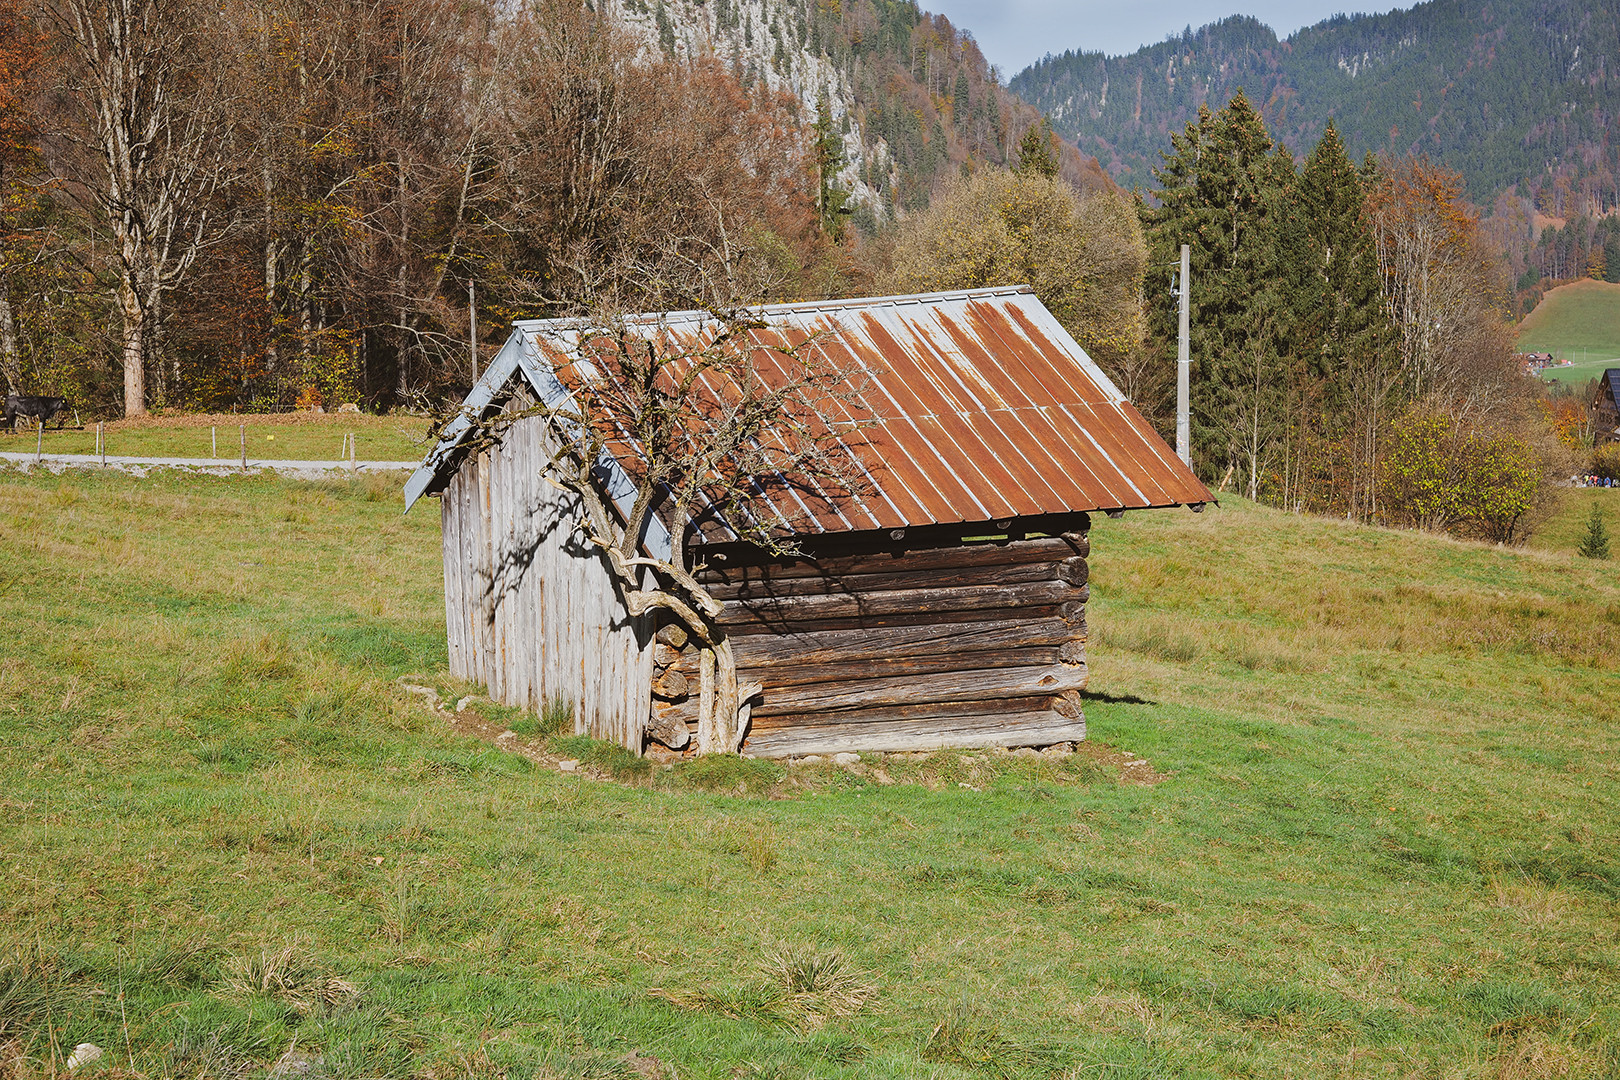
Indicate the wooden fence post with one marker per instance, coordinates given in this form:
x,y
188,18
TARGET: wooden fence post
x,y
242,431
213,437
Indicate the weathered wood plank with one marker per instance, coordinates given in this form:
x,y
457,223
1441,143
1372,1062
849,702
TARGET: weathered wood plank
x,y
850,670
1032,613
909,689
762,652
686,711
988,554
914,711
791,609
1036,728
1072,569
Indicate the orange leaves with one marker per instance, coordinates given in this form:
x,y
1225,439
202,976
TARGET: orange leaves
x,y
20,55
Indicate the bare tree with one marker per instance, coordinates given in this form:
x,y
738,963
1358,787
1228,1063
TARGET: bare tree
x,y
149,118
1440,287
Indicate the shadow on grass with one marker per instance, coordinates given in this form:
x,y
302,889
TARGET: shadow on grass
x,y
1115,699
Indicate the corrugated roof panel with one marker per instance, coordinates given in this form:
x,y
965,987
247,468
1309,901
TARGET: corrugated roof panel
x,y
965,407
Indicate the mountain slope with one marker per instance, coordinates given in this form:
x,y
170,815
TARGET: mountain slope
x,y
911,95
1502,93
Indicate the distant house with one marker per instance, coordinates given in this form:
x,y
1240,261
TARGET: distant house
x,y
944,606
1606,409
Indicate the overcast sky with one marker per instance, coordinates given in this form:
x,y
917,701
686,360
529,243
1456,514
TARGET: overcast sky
x,y
1016,33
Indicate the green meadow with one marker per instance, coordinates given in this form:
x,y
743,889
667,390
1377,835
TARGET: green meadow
x,y
1375,834
1579,322
265,436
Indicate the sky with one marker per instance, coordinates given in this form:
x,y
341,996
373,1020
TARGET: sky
x,y
1015,33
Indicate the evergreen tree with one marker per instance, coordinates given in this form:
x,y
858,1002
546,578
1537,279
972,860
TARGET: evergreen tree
x,y
1224,190
1036,153
832,201
1595,544
1345,344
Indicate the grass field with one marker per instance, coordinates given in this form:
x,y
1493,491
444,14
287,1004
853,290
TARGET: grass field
x,y
1384,840
298,436
1578,322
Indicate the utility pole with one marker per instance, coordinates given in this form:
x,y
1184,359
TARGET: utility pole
x,y
1184,361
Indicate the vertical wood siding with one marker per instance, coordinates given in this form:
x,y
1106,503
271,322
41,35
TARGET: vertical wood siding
x,y
531,612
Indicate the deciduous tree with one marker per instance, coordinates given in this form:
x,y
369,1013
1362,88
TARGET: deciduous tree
x,y
154,150
1083,255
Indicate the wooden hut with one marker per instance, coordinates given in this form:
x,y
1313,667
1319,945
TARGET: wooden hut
x,y
1606,408
943,607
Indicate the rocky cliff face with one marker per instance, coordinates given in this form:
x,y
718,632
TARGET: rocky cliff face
x,y
910,96
774,43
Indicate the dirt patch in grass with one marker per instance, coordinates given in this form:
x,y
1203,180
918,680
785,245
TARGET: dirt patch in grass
x,y
1131,769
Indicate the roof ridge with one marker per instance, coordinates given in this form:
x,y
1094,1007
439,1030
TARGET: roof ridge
x,y
794,307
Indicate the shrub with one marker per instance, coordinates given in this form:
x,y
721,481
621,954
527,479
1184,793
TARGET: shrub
x,y
1436,475
1606,461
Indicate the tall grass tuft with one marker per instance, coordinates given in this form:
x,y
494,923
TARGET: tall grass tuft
x,y
611,758
817,986
757,844
729,772
968,1038
797,987
291,976
555,719
33,986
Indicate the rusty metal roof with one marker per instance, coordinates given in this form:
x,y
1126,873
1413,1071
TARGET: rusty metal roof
x,y
975,406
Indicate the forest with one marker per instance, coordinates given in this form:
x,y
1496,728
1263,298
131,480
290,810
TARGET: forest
x,y
1351,355
272,204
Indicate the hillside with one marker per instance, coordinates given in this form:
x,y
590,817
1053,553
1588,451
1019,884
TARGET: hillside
x,y
1503,93
910,94
1578,322
1359,820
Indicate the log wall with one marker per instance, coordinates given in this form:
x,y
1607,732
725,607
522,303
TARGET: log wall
x,y
969,644
530,612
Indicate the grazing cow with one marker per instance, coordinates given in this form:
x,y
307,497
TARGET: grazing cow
x,y
41,408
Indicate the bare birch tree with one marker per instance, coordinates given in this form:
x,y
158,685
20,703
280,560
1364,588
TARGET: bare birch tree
x,y
1438,285
156,152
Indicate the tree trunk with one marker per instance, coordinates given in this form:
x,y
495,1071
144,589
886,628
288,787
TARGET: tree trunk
x,y
129,304
271,351
9,363
720,718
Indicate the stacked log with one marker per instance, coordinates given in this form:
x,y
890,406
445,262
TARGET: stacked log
x,y
971,644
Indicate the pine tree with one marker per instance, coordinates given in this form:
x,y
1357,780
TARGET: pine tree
x,y
961,101
1595,544
1035,151
1224,190
1345,341
832,201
